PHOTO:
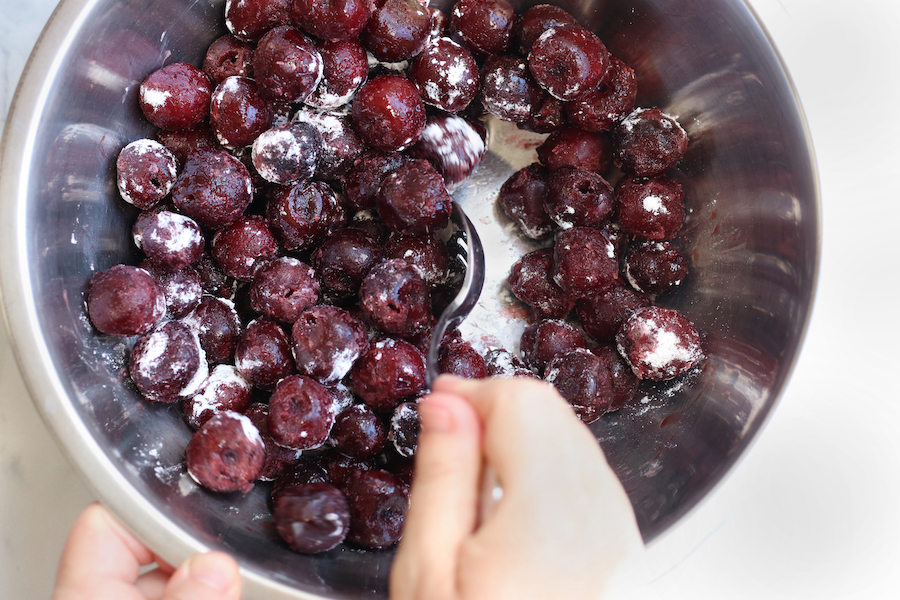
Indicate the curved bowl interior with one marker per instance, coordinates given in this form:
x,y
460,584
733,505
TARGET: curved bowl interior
x,y
751,234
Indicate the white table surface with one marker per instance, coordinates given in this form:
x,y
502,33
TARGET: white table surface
x,y
812,509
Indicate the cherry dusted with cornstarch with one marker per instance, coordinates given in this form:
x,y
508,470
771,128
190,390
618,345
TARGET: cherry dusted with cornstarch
x,y
226,454
301,413
648,142
214,188
263,354
145,173
389,371
167,364
568,61
176,96
326,342
395,297
659,343
414,199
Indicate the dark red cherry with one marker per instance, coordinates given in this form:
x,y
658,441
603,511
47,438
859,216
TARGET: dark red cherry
x,y
242,247
249,20
214,188
535,21
584,380
395,297
609,103
238,113
601,316
655,267
568,61
425,251
522,199
461,359
226,454
278,458
359,432
327,341
650,208
125,301
378,503
344,69
648,142
388,113
301,413
484,26
397,30
584,262
287,65
228,56
343,259
546,339
263,354
569,146
312,517
332,19
404,428
218,326
303,215
176,96
414,199
387,372
531,281
283,288
577,197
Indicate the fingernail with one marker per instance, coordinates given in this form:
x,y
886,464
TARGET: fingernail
x,y
434,416
212,570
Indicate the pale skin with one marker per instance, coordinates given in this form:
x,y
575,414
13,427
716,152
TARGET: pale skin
x,y
560,529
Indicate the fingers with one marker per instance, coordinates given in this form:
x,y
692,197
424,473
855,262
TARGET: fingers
x,y
100,559
529,431
210,576
564,521
443,499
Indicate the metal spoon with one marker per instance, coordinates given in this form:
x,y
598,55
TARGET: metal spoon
x,y
469,250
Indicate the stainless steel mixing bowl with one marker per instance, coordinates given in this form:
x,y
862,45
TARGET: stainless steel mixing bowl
x,y
752,235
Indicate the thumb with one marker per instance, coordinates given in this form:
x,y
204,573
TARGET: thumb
x,y
210,576
443,499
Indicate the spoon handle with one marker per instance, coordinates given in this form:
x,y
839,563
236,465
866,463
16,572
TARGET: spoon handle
x,y
465,300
